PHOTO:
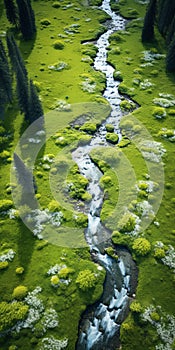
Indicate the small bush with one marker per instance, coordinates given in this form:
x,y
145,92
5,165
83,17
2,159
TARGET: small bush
x,y
127,223
141,246
10,313
65,272
41,244
81,220
154,72
4,155
106,181
109,127
19,292
54,206
58,45
86,279
3,265
159,112
117,75
37,85
54,280
19,270
159,253
116,37
125,105
5,204
45,22
89,127
136,307
112,137
155,316
171,112
56,4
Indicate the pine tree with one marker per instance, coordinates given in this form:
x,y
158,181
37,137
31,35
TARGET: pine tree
x,y
5,77
165,15
11,12
148,27
15,54
26,19
35,107
22,91
170,60
171,31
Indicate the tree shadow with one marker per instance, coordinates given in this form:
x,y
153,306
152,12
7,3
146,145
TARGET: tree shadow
x,y
26,243
26,47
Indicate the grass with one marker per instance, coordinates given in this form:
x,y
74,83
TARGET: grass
x,y
122,165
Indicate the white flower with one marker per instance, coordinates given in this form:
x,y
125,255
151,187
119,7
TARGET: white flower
x,y
8,256
53,344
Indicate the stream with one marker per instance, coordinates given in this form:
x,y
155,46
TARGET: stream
x,y
100,323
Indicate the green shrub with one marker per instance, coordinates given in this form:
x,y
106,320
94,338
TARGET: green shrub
x,y
56,4
127,223
19,270
65,272
159,112
155,316
86,279
125,105
115,50
55,280
159,253
106,180
132,13
5,204
3,265
58,45
154,72
141,246
45,22
10,313
112,137
37,85
89,127
39,174
20,292
109,127
81,220
136,307
116,37
111,252
4,155
54,206
171,112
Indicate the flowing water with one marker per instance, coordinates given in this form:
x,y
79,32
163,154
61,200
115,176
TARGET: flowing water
x,y
100,324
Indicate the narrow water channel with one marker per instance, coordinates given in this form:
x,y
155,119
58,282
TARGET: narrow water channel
x,y
100,324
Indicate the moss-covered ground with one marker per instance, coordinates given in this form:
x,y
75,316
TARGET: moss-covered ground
x,y
63,75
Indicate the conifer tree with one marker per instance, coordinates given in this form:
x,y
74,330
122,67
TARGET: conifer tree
x,y
35,107
148,27
170,60
26,19
11,12
22,91
165,15
5,77
15,54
